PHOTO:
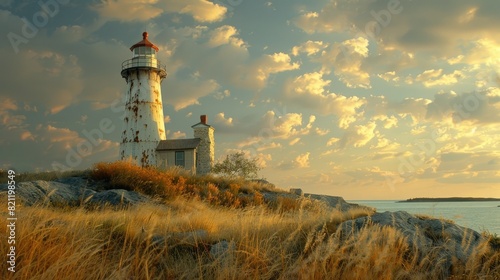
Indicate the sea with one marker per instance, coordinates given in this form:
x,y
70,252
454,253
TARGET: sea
x,y
479,216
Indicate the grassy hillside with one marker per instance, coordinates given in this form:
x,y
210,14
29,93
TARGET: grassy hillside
x,y
287,240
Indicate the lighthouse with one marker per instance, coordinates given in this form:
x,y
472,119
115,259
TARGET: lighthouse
x,y
144,126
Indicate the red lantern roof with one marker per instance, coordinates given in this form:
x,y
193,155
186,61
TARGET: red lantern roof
x,y
144,43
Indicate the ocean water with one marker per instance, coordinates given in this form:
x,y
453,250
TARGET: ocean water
x,y
479,216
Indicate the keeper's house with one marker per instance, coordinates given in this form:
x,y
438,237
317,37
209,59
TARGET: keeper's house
x,y
195,154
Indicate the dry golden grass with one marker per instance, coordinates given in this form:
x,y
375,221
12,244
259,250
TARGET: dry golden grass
x,y
174,182
79,244
292,240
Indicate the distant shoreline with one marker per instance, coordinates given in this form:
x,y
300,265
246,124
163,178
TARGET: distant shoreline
x,y
450,199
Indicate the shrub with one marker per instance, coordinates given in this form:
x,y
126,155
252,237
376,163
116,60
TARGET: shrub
x,y
147,180
171,183
237,165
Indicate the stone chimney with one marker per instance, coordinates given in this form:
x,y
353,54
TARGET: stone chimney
x,y
206,150
203,119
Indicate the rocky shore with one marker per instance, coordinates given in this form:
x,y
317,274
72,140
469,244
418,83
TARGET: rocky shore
x,y
446,240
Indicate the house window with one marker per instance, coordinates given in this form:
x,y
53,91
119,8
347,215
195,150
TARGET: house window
x,y
179,158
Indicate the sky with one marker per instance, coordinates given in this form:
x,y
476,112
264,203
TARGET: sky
x,y
361,99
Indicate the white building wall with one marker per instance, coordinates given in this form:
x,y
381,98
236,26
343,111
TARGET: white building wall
x,y
143,123
166,159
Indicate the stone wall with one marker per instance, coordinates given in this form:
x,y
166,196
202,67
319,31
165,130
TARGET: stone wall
x,y
206,149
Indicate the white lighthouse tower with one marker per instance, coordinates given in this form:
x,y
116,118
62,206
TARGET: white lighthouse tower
x,y
143,123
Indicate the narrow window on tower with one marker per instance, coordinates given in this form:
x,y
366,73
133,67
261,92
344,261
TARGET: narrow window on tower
x,y
179,158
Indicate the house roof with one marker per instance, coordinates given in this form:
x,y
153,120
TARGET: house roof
x,y
201,124
178,144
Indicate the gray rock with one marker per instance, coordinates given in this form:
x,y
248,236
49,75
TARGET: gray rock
x,y
336,202
298,192
331,202
428,235
222,249
190,237
80,182
118,197
73,181
49,193
74,191
272,197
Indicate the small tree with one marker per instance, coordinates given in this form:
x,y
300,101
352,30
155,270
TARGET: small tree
x,y
237,165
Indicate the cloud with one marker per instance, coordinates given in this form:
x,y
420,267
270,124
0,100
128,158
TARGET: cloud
x,y
309,48
285,126
57,77
384,144
474,107
45,144
221,119
222,56
271,64
184,93
335,16
459,167
332,141
381,107
224,35
389,76
268,146
200,10
309,90
435,77
144,10
388,121
9,119
357,136
178,135
405,36
321,132
26,135
222,94
128,10
302,160
5,3
347,60
438,26
263,159
294,141
273,127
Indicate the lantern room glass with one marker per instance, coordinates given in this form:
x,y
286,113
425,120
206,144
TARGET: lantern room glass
x,y
144,51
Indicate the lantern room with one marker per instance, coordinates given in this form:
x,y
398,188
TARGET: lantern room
x,y
144,56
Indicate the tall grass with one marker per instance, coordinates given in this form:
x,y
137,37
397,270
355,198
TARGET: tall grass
x,y
174,182
291,240
107,244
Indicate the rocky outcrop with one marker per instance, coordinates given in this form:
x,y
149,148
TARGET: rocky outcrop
x,y
72,191
49,193
424,236
298,192
445,238
117,198
328,201
336,202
